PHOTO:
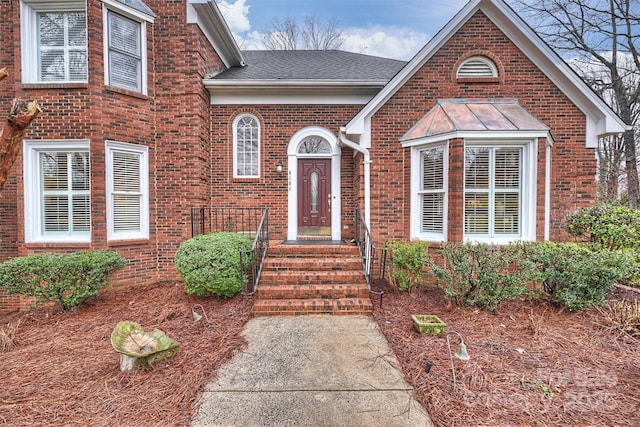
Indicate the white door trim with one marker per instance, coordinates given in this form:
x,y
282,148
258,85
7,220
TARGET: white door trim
x,y
292,175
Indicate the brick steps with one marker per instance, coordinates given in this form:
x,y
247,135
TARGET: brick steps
x,y
329,291
296,307
302,277
312,264
312,279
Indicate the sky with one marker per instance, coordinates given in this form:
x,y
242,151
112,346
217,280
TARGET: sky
x,y
387,28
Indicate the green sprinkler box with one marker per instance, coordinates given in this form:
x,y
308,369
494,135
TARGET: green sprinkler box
x,y
428,324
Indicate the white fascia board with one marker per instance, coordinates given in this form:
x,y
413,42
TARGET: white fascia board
x,y
279,83
601,119
357,124
291,92
282,96
207,16
488,135
129,11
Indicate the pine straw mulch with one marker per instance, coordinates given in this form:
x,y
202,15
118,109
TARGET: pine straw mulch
x,y
532,364
62,369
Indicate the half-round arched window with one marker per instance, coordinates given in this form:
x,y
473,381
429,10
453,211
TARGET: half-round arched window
x,y
246,146
314,145
477,66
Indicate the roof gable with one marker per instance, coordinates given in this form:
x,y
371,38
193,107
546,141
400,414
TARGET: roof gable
x,y
601,120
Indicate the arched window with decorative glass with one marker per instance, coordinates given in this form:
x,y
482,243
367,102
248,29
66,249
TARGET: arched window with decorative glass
x,y
246,146
314,146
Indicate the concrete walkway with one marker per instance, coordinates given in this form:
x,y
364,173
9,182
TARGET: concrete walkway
x,y
311,371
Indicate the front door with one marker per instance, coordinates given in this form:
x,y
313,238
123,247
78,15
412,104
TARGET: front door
x,y
314,197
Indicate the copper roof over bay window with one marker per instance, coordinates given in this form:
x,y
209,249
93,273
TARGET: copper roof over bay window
x,y
469,115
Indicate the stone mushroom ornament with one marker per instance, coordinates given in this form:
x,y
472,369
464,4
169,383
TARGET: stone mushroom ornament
x,y
139,348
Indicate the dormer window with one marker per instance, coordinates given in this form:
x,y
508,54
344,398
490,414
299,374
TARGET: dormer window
x,y
477,67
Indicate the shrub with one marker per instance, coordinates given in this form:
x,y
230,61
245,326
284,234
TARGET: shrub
x,y
608,226
407,261
482,275
210,263
576,276
66,279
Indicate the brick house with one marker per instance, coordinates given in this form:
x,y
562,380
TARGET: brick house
x,y
150,109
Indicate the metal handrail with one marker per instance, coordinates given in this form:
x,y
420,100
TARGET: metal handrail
x,y
248,221
368,251
257,254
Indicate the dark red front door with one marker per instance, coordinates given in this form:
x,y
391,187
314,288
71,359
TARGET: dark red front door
x,y
314,193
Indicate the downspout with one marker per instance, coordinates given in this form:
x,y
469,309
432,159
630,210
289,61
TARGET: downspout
x,y
547,190
367,173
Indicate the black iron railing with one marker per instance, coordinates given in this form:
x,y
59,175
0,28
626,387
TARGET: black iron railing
x,y
252,222
374,259
215,220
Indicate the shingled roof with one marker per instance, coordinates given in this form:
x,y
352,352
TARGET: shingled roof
x,y
139,6
312,65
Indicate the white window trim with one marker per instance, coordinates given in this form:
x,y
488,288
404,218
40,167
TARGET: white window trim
x,y
143,151
134,15
235,145
29,35
416,176
528,189
32,191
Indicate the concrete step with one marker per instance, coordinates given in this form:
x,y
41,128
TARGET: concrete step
x,y
296,307
312,291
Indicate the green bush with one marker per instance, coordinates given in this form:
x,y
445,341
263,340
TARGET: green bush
x,y
481,275
608,226
407,261
66,279
210,263
576,276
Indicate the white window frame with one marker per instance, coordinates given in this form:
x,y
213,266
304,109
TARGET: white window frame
x,y
235,145
111,6
29,35
143,153
32,175
528,190
416,179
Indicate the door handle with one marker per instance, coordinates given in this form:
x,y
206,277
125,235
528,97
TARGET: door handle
x,y
329,201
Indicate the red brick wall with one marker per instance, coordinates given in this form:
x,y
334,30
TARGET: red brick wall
x,y
8,226
270,190
172,120
574,166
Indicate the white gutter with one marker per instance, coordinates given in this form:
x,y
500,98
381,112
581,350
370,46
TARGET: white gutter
x,y
207,15
367,173
288,83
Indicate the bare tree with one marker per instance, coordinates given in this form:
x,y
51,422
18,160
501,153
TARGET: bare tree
x,y
314,34
600,35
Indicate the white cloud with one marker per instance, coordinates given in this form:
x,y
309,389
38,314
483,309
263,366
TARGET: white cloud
x,y
389,42
236,15
385,41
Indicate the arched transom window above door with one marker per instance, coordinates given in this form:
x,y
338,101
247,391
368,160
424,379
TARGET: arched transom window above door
x,y
314,145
